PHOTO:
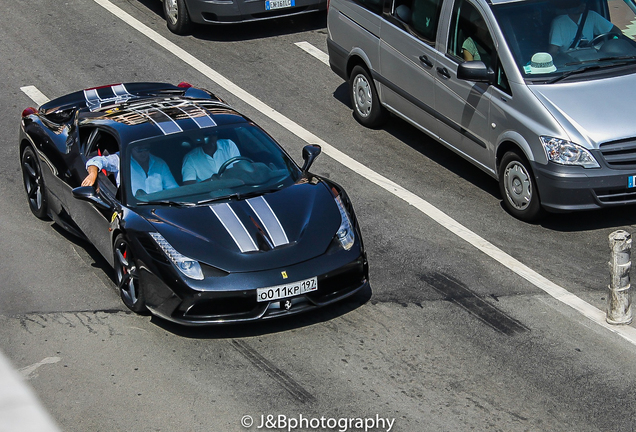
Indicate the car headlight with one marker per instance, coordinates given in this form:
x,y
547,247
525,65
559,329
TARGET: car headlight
x,y
189,267
345,232
567,153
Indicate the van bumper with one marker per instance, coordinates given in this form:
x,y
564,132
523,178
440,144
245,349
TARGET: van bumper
x,y
337,59
564,188
238,11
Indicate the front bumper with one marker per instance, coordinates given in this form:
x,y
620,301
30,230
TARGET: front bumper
x,y
233,299
564,188
236,11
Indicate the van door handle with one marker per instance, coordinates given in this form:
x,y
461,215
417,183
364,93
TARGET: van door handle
x,y
443,72
424,59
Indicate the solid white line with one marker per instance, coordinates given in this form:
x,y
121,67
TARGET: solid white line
x,y
309,48
36,95
554,290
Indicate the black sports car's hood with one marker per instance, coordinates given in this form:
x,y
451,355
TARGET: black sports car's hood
x,y
274,230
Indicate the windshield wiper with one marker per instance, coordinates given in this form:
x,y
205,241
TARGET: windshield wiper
x,y
237,196
167,202
592,67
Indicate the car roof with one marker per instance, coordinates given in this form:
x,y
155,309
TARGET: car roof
x,y
145,117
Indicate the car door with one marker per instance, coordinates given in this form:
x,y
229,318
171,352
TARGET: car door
x,y
94,217
408,59
464,105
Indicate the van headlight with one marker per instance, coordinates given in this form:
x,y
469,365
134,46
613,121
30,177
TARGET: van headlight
x,y
567,153
189,267
345,232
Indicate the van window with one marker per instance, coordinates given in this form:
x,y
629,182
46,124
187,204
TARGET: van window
x,y
420,16
374,6
469,38
546,45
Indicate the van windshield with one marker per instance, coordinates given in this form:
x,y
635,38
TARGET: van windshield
x,y
554,39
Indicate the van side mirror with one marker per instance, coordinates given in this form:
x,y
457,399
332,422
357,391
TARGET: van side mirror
x,y
475,71
310,153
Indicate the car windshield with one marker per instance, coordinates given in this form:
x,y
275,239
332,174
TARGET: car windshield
x,y
551,40
203,165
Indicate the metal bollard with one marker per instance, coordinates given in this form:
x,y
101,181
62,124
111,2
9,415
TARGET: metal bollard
x,y
619,301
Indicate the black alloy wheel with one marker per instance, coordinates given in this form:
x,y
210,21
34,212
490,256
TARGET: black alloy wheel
x,y
127,276
34,184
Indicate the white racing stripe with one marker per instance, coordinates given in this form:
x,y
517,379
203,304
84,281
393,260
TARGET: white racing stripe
x,y
234,227
554,290
312,50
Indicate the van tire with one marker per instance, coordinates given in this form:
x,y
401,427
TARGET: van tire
x,y
518,187
364,97
177,16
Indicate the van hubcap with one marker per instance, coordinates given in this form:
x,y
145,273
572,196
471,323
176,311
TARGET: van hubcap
x,y
362,95
172,11
518,185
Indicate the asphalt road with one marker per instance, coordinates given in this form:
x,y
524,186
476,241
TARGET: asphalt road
x,y
447,339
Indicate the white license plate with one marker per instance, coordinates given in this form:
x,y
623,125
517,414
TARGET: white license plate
x,y
279,4
287,290
631,181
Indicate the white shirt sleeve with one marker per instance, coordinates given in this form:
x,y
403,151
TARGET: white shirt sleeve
x,y
110,163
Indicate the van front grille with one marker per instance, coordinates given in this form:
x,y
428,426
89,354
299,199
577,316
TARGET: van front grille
x,y
620,154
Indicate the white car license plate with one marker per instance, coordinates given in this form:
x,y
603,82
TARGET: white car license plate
x,y
631,181
279,4
287,290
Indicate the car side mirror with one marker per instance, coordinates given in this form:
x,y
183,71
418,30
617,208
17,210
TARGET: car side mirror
x,y
310,153
88,193
475,71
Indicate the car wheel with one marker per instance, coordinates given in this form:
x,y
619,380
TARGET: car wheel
x,y
127,277
34,183
177,16
364,98
518,187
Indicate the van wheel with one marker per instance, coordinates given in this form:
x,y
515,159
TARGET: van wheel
x,y
177,16
518,187
364,97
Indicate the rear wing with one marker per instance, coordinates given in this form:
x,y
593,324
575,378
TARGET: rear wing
x,y
62,109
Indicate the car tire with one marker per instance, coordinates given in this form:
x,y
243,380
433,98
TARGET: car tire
x,y
177,17
364,97
518,187
127,277
34,184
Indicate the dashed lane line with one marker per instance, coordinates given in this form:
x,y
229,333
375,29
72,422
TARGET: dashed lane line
x,y
312,50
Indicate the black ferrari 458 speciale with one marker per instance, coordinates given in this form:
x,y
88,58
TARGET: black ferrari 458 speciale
x,y
203,216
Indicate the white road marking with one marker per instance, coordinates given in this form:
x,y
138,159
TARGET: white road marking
x,y
27,372
35,94
309,48
554,290
19,408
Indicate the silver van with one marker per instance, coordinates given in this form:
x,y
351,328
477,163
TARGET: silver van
x,y
540,94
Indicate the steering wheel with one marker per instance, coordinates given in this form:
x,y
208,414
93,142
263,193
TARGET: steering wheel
x,y
231,161
604,37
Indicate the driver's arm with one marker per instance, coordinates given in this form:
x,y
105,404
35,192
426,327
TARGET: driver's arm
x,y
90,179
